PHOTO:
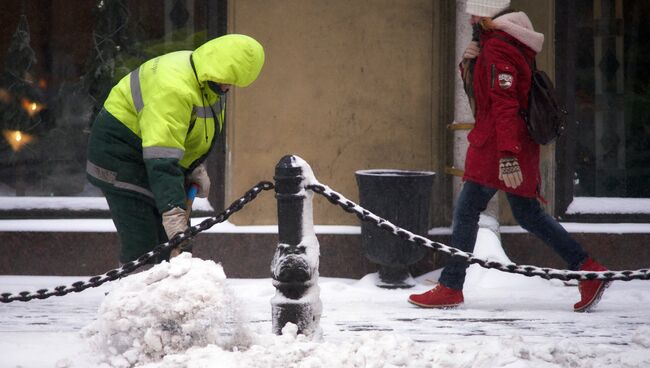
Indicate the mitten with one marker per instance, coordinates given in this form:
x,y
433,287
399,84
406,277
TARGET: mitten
x,y
199,176
510,172
174,221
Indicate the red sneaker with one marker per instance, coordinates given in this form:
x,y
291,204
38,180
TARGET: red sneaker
x,y
590,290
438,297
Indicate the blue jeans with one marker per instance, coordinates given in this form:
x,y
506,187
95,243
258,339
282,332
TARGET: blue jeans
x,y
473,200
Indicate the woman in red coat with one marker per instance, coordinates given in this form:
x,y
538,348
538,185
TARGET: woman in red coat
x,y
501,153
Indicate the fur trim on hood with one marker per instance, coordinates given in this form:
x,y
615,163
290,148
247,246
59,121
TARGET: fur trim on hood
x,y
519,26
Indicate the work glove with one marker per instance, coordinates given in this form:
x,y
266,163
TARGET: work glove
x,y
199,176
472,50
510,172
175,222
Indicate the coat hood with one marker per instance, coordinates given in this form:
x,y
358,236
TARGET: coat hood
x,y
519,26
231,59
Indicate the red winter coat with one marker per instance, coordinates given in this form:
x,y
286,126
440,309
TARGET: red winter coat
x,y
501,84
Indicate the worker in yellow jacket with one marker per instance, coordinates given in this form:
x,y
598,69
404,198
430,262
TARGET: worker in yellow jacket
x,y
157,127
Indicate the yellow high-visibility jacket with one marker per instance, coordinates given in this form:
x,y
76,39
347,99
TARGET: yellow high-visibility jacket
x,y
159,122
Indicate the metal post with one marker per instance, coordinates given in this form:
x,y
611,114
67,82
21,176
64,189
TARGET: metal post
x,y
295,263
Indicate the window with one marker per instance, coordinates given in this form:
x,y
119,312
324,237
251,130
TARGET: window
x,y
612,99
58,61
601,73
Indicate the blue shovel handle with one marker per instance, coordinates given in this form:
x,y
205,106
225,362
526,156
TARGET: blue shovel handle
x,y
191,193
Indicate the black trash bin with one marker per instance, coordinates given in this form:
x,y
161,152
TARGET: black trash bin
x,y
403,198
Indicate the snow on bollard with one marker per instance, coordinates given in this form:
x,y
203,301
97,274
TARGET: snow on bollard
x,y
295,263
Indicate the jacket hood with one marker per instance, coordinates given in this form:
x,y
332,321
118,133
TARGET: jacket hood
x,y
231,59
519,26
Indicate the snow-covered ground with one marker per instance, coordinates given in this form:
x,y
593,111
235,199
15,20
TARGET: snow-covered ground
x,y
188,314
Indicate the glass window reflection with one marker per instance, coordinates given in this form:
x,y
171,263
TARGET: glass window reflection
x,y
58,61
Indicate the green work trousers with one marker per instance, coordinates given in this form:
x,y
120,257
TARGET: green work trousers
x,y
139,225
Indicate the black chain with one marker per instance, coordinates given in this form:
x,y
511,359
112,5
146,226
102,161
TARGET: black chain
x,y
348,206
129,267
526,270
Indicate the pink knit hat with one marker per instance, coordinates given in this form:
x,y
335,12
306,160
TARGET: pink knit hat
x,y
486,8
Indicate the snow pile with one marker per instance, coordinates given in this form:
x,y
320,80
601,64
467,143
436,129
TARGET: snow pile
x,y
166,310
293,350
488,246
380,349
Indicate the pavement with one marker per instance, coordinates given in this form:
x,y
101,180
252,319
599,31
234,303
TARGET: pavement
x,y
496,305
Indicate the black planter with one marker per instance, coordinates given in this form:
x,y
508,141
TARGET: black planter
x,y
403,198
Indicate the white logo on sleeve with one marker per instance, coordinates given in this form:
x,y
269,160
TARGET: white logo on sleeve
x,y
505,80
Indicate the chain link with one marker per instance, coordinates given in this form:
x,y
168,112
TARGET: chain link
x,y
526,270
129,267
348,206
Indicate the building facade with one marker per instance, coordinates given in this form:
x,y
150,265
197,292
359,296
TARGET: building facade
x,y
347,86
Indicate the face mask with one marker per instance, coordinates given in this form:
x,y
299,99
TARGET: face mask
x,y
214,86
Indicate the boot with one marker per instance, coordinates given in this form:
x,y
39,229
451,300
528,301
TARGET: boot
x,y
438,297
590,290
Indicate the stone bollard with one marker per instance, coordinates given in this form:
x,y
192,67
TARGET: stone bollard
x,y
295,264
